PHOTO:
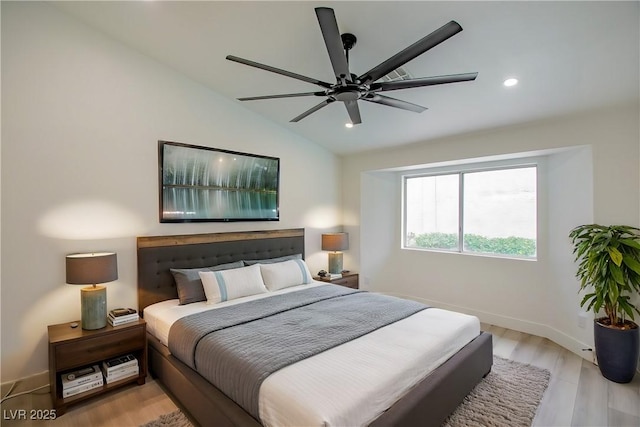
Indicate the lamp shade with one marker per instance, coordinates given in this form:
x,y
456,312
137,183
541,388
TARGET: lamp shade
x,y
92,268
335,241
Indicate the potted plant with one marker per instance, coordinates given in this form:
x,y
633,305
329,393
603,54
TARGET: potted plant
x,y
609,271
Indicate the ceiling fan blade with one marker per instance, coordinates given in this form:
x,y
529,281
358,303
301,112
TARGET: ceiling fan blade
x,y
311,110
393,102
278,71
418,48
285,95
354,112
333,41
424,81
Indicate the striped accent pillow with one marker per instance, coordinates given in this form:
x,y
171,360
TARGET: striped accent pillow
x,y
285,274
188,281
220,286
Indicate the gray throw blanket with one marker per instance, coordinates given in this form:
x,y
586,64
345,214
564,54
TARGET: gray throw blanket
x,y
236,348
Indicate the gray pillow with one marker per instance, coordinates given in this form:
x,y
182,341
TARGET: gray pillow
x,y
188,281
248,262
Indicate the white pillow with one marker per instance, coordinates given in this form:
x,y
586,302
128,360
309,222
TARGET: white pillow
x,y
284,274
226,285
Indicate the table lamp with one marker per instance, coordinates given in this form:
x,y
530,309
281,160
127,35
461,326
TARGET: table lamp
x,y
335,242
92,269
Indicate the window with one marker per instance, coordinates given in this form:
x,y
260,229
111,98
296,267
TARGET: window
x,y
476,211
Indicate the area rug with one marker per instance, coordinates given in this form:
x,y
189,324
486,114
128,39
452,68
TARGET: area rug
x,y
172,419
508,397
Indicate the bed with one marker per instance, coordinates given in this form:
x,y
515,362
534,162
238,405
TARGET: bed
x,y
424,401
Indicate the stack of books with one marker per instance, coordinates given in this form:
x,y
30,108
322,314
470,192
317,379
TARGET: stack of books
x,y
334,276
119,316
120,368
81,380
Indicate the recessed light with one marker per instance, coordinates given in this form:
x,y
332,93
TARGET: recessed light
x,y
510,82
348,125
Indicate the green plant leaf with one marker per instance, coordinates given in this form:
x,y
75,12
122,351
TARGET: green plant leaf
x,y
631,243
586,298
614,292
598,304
627,308
632,263
616,272
615,255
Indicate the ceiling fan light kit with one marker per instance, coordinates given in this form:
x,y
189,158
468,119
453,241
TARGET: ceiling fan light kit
x,y
350,88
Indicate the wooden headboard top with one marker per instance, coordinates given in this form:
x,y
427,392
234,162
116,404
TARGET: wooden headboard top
x,y
158,254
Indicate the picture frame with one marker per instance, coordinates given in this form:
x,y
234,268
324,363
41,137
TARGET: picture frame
x,y
205,184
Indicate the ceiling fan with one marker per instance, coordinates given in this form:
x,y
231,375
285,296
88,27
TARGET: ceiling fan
x,y
350,88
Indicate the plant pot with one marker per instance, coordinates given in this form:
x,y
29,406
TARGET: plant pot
x,y
617,350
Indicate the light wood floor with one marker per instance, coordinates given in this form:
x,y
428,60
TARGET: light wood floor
x,y
577,395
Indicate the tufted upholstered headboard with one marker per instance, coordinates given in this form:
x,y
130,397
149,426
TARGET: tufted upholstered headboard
x,y
157,254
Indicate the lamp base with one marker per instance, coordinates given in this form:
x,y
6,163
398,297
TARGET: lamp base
x,y
93,302
335,262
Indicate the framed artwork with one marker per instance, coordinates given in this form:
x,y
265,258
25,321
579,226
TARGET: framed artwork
x,y
199,184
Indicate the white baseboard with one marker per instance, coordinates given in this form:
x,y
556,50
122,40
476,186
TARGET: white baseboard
x,y
26,383
519,325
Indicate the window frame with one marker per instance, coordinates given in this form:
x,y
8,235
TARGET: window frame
x,y
461,170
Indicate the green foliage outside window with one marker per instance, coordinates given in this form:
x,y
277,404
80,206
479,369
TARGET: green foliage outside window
x,y
436,241
518,246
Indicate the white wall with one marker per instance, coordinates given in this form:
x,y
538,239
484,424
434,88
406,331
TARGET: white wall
x,y
591,174
81,117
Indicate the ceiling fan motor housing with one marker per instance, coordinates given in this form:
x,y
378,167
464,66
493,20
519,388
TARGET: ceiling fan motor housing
x,y
346,93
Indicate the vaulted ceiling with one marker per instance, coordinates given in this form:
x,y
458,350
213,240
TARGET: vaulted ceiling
x,y
568,57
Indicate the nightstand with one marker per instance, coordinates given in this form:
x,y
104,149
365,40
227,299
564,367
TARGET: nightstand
x,y
350,280
73,348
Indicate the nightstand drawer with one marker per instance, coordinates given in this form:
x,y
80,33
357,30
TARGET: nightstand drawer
x,y
104,347
348,281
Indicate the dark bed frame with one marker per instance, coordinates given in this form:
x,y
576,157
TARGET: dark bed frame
x,y
426,404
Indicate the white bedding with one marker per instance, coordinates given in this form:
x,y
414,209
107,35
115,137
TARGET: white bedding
x,y
352,384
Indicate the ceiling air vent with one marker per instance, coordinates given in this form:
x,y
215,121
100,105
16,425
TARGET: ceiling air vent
x,y
399,73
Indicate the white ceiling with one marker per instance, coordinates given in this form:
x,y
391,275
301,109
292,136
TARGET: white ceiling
x,y
569,57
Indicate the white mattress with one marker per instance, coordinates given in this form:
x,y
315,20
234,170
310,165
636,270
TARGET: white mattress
x,y
352,384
